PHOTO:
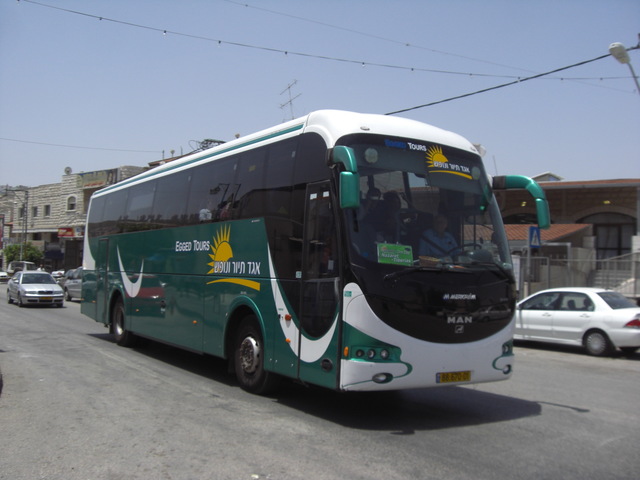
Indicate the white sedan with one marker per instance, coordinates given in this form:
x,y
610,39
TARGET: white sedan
x,y
600,320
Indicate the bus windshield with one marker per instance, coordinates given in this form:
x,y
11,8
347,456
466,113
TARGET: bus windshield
x,y
424,205
427,241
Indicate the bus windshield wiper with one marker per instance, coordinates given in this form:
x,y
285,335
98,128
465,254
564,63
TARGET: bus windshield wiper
x,y
441,267
494,264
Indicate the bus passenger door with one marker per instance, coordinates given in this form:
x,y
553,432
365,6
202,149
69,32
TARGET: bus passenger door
x,y
319,343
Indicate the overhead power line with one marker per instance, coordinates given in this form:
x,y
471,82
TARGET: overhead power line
x,y
496,87
363,63
78,146
351,30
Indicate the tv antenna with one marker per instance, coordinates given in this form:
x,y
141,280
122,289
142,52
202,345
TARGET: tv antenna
x,y
291,99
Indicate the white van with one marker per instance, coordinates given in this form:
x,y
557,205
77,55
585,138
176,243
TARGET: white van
x,y
16,266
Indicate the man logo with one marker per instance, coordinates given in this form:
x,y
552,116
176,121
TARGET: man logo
x,y
459,329
459,319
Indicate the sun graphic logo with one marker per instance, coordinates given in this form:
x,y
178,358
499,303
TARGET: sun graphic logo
x,y
221,251
435,158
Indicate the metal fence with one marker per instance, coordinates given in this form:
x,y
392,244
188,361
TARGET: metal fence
x,y
619,273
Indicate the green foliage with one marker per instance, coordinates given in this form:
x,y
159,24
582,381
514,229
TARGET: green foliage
x,y
29,253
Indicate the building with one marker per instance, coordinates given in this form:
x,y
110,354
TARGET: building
x,y
594,239
611,206
52,217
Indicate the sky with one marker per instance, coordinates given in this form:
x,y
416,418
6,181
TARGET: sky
x,y
97,84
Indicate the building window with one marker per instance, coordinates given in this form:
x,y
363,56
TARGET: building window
x,y
47,210
34,212
71,203
613,232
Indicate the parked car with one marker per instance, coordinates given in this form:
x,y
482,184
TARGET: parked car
x,y
18,265
4,277
65,276
73,285
597,319
34,288
57,274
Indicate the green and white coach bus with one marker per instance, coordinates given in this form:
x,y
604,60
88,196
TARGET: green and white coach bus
x,y
309,251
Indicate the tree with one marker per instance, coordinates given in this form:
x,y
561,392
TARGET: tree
x,y
29,253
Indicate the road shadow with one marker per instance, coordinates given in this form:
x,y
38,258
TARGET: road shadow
x,y
398,412
207,366
406,411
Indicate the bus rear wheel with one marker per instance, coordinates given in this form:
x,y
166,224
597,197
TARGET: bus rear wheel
x,y
123,337
249,355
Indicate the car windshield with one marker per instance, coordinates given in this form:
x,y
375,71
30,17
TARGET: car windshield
x,y
30,278
616,300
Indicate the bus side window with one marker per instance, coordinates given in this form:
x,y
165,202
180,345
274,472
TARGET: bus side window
x,y
139,205
251,183
114,211
279,176
97,225
211,190
172,192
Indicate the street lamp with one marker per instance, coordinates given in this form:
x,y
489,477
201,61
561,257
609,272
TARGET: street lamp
x,y
620,53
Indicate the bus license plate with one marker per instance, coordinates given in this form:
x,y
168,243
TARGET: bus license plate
x,y
450,377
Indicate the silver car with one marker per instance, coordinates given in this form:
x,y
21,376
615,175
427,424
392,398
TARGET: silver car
x,y
34,288
73,285
599,320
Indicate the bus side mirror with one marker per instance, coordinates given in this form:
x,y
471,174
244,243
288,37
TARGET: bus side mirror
x,y
349,179
349,190
508,182
542,210
346,156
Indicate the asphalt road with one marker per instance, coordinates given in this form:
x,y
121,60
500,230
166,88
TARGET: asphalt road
x,y
76,406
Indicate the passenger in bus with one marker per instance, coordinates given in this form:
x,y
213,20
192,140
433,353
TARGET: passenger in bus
x,y
226,209
436,241
368,204
204,215
384,219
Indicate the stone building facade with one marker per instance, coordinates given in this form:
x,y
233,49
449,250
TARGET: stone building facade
x,y
52,217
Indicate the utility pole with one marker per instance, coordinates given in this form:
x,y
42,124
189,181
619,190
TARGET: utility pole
x,y
25,216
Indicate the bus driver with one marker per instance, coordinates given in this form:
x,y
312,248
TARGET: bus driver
x,y
436,241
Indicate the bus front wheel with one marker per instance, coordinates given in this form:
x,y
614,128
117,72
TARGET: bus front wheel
x,y
249,355
123,337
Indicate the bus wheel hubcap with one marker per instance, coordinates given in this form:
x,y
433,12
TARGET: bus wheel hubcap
x,y
249,355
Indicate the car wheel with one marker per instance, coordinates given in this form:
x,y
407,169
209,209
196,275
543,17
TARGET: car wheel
x,y
67,295
9,299
597,343
124,338
20,304
248,357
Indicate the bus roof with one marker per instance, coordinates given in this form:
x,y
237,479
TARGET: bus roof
x,y
334,124
330,124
